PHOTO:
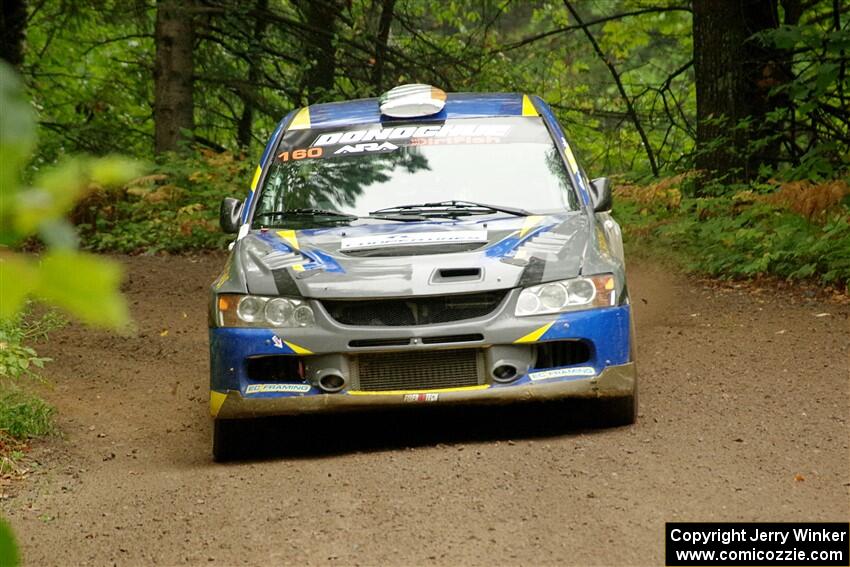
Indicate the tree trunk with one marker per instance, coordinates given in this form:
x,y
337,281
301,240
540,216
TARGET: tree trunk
x,y
12,28
381,45
734,74
321,17
246,120
173,105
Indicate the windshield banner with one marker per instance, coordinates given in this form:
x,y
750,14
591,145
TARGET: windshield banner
x,y
378,138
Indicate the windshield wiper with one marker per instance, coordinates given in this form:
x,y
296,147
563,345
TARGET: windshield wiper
x,y
305,212
453,208
333,216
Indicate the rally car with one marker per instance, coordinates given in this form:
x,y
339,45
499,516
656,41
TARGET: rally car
x,y
419,248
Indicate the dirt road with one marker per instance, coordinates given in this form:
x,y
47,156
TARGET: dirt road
x,y
744,416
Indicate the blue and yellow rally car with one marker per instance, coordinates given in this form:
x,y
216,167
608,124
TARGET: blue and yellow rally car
x,y
420,248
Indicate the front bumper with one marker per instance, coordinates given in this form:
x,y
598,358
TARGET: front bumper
x,y
237,392
612,382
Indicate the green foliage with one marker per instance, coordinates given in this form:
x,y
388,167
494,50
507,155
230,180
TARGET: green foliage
x,y
175,209
88,69
9,555
17,358
813,115
82,284
742,236
24,415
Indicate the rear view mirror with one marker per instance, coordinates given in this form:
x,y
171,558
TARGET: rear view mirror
x,y
229,213
600,190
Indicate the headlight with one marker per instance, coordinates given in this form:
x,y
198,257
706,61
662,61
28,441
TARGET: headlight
x,y
567,295
258,311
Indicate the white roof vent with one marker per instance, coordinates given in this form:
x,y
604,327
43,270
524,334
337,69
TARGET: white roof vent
x,y
410,101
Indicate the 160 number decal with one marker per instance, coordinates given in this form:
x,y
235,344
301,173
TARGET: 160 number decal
x,y
300,154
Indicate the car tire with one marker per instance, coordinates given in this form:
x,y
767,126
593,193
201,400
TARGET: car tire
x,y
621,411
225,446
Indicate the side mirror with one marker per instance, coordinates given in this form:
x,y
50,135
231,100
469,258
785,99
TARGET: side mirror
x,y
600,190
228,215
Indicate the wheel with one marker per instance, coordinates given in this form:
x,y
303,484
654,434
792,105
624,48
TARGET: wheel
x,y
618,411
226,439
621,411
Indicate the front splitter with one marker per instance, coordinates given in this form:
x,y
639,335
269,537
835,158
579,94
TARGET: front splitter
x,y
612,382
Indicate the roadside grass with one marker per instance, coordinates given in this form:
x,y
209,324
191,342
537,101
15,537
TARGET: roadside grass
x,y
797,231
23,415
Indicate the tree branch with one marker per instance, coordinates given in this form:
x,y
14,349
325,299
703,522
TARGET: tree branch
x,y
544,35
616,76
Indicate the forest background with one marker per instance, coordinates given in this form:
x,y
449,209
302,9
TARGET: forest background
x,y
725,125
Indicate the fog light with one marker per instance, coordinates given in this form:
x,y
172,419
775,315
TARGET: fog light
x,y
505,373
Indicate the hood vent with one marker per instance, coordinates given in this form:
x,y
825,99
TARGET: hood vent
x,y
455,275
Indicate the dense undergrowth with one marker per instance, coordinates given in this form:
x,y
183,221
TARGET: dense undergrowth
x,y
173,209
794,230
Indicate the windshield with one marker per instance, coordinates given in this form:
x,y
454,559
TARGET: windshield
x,y
503,162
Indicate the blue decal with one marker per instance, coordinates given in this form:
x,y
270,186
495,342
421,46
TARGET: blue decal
x,y
229,349
506,246
325,262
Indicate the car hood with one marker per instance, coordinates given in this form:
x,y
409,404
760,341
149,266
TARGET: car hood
x,y
399,259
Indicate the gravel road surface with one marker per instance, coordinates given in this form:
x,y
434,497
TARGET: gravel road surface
x,y
745,395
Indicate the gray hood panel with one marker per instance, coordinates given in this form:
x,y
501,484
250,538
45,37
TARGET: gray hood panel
x,y
518,251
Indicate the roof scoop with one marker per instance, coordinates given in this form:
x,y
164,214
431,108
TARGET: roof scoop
x,y
411,101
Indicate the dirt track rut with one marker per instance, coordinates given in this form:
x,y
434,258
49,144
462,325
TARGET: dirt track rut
x,y
744,416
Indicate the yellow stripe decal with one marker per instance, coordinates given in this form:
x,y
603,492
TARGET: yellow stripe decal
x,y
301,120
571,159
530,222
403,392
290,238
256,179
528,107
216,400
297,349
534,336
298,267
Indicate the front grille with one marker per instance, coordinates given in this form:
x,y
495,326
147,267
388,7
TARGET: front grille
x,y
415,310
419,370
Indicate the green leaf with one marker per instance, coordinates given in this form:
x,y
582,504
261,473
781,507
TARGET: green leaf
x,y
54,194
85,285
17,278
112,171
9,556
